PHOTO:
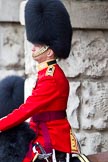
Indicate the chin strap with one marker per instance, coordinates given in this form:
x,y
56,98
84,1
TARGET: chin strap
x,y
40,51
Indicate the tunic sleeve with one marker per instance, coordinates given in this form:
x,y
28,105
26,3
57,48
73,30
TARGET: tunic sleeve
x,y
42,95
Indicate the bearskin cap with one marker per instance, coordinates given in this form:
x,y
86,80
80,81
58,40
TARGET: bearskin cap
x,y
11,94
47,22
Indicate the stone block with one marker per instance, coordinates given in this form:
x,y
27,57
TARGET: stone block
x,y
73,104
89,55
29,85
89,14
90,143
9,10
21,12
104,146
11,46
94,106
30,64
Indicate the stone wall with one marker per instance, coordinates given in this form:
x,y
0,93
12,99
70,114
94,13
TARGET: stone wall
x,y
11,39
87,72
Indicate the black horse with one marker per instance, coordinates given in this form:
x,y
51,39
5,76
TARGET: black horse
x,y
14,143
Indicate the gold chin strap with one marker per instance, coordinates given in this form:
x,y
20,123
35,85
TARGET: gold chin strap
x,y
40,51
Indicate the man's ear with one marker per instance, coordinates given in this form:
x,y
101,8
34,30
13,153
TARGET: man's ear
x,y
50,53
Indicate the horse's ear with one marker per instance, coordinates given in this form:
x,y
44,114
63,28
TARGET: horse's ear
x,y
11,94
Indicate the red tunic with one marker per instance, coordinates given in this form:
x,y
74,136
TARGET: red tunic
x,y
50,94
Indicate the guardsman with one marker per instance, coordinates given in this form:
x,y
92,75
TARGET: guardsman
x,y
48,28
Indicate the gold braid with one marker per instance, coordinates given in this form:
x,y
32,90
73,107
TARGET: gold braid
x,y
40,51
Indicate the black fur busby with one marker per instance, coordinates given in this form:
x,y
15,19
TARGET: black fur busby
x,y
48,22
11,94
14,143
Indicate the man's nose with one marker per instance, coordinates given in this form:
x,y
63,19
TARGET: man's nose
x,y
33,49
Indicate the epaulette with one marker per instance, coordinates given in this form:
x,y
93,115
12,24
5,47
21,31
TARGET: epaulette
x,y
50,70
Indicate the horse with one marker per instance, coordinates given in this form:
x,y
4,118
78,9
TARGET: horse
x,y
14,143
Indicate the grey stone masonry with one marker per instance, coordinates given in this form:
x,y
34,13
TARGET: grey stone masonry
x,y
89,14
11,39
11,50
90,54
87,72
9,10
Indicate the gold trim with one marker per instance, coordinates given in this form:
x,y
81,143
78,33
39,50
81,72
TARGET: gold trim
x,y
74,143
43,65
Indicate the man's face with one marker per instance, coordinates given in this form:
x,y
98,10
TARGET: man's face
x,y
40,58
36,48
